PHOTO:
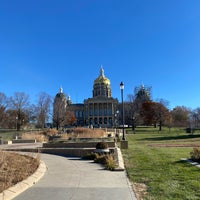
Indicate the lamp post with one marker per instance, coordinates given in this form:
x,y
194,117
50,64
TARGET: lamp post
x,y
133,126
116,118
16,122
122,96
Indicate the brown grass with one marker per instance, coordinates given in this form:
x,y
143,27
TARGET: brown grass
x,y
140,190
43,136
85,133
15,167
106,159
38,136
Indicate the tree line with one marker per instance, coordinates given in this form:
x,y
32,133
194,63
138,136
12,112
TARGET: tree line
x,y
17,111
139,109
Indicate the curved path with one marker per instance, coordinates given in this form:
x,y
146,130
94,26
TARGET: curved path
x,y
75,179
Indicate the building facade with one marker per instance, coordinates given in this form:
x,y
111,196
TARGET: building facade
x,y
98,111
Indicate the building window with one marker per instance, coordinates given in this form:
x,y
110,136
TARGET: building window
x,y
105,109
110,120
100,120
100,110
96,109
95,120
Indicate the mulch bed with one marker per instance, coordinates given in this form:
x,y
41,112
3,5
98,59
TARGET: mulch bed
x,y
15,167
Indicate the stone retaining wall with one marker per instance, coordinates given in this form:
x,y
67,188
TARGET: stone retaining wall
x,y
23,141
76,145
73,152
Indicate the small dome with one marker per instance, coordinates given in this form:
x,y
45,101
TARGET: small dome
x,y
102,79
60,95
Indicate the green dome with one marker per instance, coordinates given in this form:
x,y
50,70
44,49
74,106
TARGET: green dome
x,y
60,94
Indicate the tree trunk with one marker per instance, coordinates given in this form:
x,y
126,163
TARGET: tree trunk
x,y
160,126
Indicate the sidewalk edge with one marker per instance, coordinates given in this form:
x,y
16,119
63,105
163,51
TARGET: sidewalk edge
x,y
20,187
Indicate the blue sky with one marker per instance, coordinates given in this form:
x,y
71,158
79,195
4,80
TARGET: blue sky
x,y
48,43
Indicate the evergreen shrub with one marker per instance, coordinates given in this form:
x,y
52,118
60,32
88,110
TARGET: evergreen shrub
x,y
101,145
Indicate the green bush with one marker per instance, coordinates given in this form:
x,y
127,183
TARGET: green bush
x,y
195,154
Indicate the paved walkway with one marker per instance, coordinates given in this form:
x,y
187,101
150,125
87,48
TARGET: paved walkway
x,y
21,145
75,179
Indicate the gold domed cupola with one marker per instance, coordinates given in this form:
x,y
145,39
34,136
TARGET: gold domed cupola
x,y
102,85
102,79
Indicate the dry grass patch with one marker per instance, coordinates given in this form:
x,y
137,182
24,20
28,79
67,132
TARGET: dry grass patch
x,y
39,137
42,136
107,160
84,133
15,168
140,190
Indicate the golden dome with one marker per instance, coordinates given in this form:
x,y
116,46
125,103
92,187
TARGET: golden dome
x,y
102,79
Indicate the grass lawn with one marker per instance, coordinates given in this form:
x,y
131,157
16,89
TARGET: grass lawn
x,y
153,162
9,134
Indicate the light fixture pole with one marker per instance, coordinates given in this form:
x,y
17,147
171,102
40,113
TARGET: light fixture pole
x,y
16,122
122,96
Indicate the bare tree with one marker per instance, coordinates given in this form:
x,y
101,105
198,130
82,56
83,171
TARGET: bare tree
x,y
12,121
43,109
131,111
181,116
195,118
3,106
59,113
19,102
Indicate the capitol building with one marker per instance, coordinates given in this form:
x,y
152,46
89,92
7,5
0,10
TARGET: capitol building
x,y
98,111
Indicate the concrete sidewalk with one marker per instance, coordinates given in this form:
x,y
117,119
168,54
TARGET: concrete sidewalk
x,y
75,179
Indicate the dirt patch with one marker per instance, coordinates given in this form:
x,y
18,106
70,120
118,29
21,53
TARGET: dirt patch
x,y
140,190
15,167
174,145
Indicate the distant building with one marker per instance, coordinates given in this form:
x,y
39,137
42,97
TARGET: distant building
x,y
142,94
98,111
59,108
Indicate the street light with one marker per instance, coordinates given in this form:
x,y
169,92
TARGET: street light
x,y
122,96
133,125
116,118
16,122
